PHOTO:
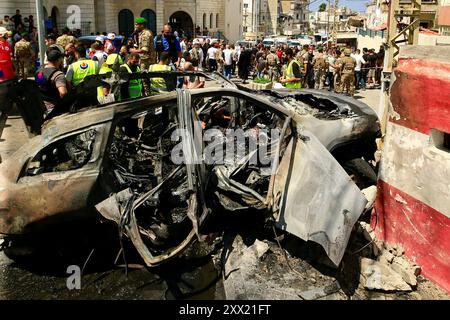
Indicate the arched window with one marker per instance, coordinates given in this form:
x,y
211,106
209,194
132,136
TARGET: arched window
x,y
217,20
126,22
150,16
211,21
204,20
55,16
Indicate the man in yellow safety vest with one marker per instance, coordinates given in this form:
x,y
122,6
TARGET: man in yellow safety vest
x,y
292,80
82,68
133,88
159,83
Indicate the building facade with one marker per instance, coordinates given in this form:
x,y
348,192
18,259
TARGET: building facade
x,y
250,16
221,18
293,18
443,21
324,21
281,17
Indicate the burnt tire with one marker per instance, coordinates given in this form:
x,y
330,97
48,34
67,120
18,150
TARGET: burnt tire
x,y
362,173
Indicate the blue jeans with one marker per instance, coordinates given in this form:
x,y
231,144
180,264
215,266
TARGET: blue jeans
x,y
357,79
360,80
330,79
227,71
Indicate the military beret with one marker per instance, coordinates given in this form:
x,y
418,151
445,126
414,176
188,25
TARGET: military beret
x,y
141,20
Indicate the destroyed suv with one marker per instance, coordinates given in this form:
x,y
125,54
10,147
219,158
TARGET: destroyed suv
x,y
99,160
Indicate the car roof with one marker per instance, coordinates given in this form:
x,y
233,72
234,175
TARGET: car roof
x,y
94,115
92,38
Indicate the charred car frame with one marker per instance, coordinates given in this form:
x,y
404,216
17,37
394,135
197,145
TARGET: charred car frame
x,y
98,160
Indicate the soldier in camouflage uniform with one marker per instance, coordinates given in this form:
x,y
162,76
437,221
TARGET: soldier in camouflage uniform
x,y
337,73
145,49
272,62
24,56
320,68
65,39
348,72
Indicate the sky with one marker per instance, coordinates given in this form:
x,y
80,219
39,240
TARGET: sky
x,y
356,5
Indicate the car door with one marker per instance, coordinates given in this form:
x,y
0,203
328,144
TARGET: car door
x,y
313,197
43,192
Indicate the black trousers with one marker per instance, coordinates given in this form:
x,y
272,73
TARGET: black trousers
x,y
212,65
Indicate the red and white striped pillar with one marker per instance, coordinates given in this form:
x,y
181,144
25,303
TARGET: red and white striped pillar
x,y
413,204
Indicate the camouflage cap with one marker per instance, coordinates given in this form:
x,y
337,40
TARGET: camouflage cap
x,y
141,20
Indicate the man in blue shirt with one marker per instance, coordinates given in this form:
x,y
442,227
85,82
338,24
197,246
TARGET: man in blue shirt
x,y
167,42
49,24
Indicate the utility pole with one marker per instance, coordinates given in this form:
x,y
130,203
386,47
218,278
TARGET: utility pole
x,y
41,30
335,21
398,12
328,22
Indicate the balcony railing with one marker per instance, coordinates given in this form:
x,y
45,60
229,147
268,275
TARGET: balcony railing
x,y
370,33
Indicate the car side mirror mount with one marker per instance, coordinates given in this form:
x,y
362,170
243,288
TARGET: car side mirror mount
x,y
34,168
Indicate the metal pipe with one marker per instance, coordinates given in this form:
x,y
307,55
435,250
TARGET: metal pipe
x,y
41,30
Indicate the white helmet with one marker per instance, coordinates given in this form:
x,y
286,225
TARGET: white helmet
x,y
3,31
111,36
99,38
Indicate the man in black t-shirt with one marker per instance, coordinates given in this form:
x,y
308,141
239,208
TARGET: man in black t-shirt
x,y
51,80
17,19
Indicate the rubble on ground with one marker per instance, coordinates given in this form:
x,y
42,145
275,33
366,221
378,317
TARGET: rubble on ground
x,y
391,271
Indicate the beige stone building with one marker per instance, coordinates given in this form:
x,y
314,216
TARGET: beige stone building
x,y
220,17
283,17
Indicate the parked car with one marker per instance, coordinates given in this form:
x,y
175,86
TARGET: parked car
x,y
268,42
294,43
246,43
305,40
97,159
87,41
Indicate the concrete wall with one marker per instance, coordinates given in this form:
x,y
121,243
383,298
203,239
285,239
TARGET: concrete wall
x,y
103,14
430,40
369,42
28,7
9,8
413,190
233,17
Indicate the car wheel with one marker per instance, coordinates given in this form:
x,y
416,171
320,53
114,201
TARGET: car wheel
x,y
361,172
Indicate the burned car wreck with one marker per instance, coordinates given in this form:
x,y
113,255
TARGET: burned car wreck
x,y
200,153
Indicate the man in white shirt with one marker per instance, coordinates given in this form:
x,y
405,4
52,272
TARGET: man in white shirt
x,y
50,42
212,58
99,55
183,45
228,61
331,60
358,75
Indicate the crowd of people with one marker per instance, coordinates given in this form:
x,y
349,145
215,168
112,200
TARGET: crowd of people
x,y
337,69
68,61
